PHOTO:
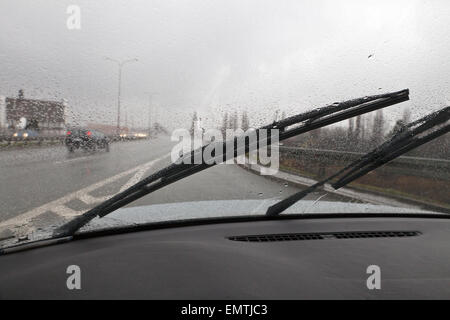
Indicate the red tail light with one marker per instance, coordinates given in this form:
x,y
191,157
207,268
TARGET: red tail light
x,y
89,133
69,133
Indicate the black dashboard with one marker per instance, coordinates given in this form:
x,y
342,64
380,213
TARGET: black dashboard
x,y
332,258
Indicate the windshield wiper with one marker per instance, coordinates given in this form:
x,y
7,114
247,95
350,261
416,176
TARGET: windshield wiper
x,y
410,137
304,122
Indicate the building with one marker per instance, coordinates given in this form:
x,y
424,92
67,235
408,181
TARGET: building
x,y
107,129
48,117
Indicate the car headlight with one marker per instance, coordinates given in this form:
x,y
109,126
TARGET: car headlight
x,y
15,134
25,135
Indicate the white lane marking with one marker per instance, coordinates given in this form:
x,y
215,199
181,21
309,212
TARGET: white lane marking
x,y
58,206
137,176
72,160
89,199
65,211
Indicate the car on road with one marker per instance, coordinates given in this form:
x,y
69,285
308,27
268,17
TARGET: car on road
x,y
25,134
86,139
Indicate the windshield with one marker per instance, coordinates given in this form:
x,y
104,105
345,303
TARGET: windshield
x,y
95,96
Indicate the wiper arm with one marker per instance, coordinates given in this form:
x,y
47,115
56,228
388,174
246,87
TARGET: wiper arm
x,y
307,121
412,136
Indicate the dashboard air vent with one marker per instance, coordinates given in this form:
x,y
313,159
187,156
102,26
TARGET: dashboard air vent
x,y
324,236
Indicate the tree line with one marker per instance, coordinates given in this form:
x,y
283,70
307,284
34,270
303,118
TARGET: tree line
x,y
365,132
362,134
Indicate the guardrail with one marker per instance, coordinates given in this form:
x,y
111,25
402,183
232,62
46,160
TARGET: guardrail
x,y
10,141
418,166
419,180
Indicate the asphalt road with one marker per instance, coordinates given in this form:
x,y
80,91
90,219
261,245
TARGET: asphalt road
x,y
42,185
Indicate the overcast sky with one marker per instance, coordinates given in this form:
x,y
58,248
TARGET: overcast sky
x,y
224,55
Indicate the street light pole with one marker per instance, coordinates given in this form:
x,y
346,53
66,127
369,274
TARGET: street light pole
x,y
150,99
149,115
118,99
120,64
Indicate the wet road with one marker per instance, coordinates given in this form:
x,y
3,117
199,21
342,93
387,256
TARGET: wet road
x,y
44,184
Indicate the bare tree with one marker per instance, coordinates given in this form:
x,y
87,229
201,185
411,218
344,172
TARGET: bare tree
x,y
378,127
351,126
235,120
245,123
275,117
358,127
193,123
406,116
356,139
224,124
230,121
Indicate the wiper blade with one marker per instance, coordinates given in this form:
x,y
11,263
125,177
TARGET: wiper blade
x,y
305,122
412,136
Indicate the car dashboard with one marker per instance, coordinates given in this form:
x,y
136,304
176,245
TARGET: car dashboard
x,y
313,258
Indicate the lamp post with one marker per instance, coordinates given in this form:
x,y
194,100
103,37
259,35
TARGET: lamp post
x,y
120,64
150,97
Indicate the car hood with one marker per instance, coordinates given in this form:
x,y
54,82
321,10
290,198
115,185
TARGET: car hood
x,y
230,208
131,216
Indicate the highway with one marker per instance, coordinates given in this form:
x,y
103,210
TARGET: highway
x,y
43,185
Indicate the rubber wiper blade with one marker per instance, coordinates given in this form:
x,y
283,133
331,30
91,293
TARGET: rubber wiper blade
x,y
301,123
412,136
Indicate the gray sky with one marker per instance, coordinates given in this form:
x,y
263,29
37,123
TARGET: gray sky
x,y
221,55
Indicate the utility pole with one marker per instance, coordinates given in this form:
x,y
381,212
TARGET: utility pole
x,y
120,64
